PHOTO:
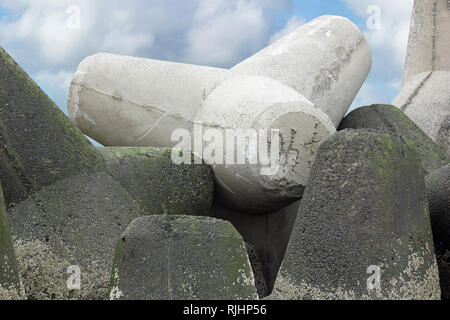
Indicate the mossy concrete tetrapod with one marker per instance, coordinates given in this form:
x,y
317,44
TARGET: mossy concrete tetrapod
x,y
389,119
181,258
38,143
9,273
363,228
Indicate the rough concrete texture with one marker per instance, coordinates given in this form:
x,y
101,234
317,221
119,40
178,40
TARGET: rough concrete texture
x,y
429,38
73,222
326,60
443,136
438,189
257,102
365,205
157,184
269,235
181,258
126,101
38,143
425,99
9,275
258,271
390,119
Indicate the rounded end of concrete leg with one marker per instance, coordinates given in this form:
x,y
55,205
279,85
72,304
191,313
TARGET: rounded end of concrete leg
x,y
107,101
326,60
269,135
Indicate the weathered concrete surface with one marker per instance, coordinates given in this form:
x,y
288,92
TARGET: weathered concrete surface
x,y
258,270
429,38
256,102
73,222
443,136
269,234
38,143
9,275
425,99
438,189
365,205
390,119
326,60
126,101
157,184
181,258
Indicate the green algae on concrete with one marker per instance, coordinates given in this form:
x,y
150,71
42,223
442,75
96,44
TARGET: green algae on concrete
x,y
157,184
38,143
267,234
73,222
390,119
9,274
364,209
165,257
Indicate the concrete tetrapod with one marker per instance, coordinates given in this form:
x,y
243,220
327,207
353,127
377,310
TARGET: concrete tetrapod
x,y
181,258
363,229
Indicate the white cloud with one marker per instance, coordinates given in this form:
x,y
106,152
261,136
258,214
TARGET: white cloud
x,y
40,34
388,43
56,81
226,31
367,96
292,24
210,32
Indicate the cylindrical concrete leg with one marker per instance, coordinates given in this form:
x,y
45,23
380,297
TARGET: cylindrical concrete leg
x,y
429,38
425,99
326,60
126,101
425,95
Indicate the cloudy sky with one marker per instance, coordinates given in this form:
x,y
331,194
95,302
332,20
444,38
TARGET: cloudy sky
x,y
49,38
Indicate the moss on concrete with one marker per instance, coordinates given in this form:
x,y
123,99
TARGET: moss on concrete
x,y
365,205
158,185
38,143
194,258
390,119
73,222
9,275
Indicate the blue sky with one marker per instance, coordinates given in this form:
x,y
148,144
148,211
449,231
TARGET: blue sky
x,y
210,32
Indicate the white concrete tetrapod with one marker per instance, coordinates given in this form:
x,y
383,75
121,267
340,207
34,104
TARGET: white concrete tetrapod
x,y
263,138
130,101
425,99
425,95
326,60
